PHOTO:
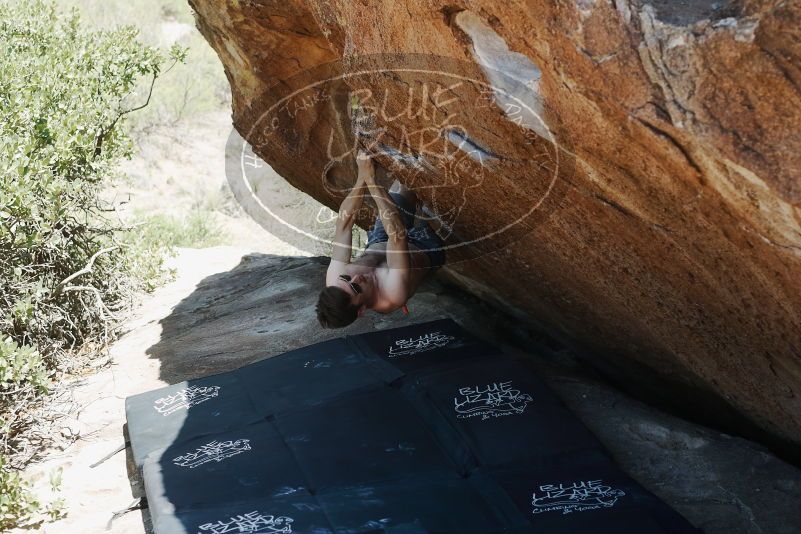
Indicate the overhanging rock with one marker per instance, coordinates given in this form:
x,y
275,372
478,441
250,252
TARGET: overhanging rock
x,y
626,172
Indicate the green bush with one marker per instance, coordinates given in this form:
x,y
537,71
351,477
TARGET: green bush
x,y
20,368
190,89
17,503
67,266
63,96
196,230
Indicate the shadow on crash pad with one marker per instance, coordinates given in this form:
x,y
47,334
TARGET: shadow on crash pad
x,y
417,429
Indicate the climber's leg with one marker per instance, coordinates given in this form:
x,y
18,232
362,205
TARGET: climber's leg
x,y
406,200
405,192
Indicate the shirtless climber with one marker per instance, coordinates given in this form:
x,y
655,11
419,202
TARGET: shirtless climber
x,y
395,260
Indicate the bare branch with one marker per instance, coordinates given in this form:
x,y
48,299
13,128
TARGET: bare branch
x,y
106,313
87,269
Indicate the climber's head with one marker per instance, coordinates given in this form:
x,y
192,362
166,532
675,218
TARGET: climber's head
x,y
339,305
334,308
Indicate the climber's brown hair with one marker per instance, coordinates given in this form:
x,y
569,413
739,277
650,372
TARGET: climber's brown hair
x,y
334,309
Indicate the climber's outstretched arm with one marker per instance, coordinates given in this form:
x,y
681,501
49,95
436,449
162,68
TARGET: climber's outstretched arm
x,y
343,235
396,287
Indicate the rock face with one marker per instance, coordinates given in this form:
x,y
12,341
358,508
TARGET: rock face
x,y
625,172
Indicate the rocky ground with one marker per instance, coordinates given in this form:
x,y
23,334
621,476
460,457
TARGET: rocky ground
x,y
228,307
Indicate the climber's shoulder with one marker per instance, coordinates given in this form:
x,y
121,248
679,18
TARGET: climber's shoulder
x,y
335,269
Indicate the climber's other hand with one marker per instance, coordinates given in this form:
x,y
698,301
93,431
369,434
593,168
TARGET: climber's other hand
x,y
364,160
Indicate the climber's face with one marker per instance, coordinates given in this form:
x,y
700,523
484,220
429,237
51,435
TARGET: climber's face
x,y
359,287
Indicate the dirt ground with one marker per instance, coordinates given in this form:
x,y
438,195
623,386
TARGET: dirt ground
x,y
93,494
181,168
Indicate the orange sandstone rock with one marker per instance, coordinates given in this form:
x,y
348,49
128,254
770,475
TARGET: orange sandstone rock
x,y
626,172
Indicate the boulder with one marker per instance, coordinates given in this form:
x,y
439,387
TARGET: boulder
x,y
624,172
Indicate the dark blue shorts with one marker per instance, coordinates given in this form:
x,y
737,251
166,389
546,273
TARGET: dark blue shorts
x,y
422,237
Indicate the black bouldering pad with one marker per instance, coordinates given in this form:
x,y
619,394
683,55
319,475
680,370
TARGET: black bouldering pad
x,y
438,502
500,412
362,438
422,346
157,419
582,491
418,429
233,465
282,514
